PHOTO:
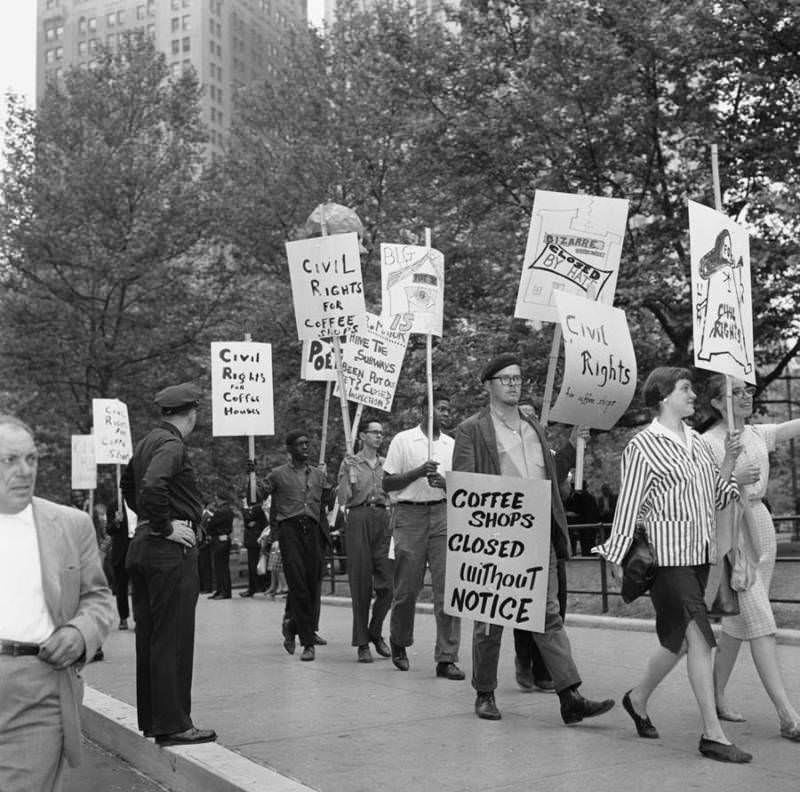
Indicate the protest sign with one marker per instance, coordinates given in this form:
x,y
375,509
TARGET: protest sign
x,y
722,299
241,389
83,468
498,549
371,363
412,281
318,363
112,433
327,288
574,246
599,363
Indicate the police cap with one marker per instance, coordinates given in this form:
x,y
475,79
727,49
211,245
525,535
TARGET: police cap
x,y
177,398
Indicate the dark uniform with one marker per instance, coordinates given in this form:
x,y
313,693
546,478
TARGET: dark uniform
x,y
159,485
255,521
220,527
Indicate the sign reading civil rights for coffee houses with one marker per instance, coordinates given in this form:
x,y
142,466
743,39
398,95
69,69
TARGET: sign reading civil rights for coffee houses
x,y
241,389
599,364
498,549
327,288
574,246
318,362
83,467
113,444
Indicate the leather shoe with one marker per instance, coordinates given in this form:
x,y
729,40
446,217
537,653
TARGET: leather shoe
x,y
449,671
191,736
545,685
644,726
399,657
319,640
123,624
381,647
288,637
215,595
245,593
721,752
308,653
485,706
524,675
364,654
574,707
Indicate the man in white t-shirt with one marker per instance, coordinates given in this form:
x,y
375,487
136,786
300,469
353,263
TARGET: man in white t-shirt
x,y
414,475
55,610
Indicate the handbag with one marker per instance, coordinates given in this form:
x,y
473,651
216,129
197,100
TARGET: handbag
x,y
726,600
261,566
744,568
638,567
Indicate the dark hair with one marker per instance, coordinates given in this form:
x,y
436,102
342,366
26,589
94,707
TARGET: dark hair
x,y
661,382
293,436
439,395
366,420
715,389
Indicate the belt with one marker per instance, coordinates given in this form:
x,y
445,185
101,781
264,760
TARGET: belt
x,y
422,503
16,649
368,506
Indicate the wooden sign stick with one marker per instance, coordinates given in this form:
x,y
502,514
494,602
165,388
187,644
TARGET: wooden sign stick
x,y
429,364
325,411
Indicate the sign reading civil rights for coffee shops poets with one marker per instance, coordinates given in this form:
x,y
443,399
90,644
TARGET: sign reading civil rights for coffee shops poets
x,y
241,389
83,467
327,289
113,444
599,364
318,362
498,549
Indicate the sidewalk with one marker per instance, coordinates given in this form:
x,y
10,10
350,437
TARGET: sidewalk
x,y
335,725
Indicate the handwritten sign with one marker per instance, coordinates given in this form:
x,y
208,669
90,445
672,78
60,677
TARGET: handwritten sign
x,y
371,363
112,432
498,549
721,295
83,468
574,246
599,364
327,288
318,363
412,280
241,389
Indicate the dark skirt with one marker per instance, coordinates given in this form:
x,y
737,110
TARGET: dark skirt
x,y
678,599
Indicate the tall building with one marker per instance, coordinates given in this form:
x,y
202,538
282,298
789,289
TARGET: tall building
x,y
422,6
230,43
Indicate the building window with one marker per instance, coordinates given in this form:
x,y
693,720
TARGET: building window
x,y
213,115
187,3
111,39
92,24
187,64
176,23
121,17
49,56
219,95
151,31
185,21
219,50
111,19
140,12
186,44
211,47
83,48
176,69
92,45
59,53
176,46
175,5
151,7
82,25
59,72
211,26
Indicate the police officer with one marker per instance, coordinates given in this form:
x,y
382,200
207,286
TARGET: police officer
x,y
159,485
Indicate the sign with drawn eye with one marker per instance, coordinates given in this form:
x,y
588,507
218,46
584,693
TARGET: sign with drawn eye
x,y
574,246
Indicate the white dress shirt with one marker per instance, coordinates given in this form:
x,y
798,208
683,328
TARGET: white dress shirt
x,y
409,450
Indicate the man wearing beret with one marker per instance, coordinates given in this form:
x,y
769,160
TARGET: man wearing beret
x,y
159,485
500,440
299,493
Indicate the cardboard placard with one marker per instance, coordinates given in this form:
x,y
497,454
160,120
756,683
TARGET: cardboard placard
x,y
599,364
498,549
83,469
318,363
722,299
574,246
241,389
327,288
113,444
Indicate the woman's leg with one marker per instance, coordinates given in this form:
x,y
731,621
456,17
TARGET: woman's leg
x,y
701,678
765,657
727,652
661,662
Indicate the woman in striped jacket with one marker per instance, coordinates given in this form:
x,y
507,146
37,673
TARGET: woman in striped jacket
x,y
672,486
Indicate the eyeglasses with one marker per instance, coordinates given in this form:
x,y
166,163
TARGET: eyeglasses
x,y
748,390
374,431
507,380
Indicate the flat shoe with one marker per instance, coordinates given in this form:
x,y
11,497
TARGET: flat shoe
x,y
191,736
731,716
720,752
791,731
644,726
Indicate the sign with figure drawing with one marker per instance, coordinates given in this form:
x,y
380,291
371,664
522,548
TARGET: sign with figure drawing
x,y
574,246
722,299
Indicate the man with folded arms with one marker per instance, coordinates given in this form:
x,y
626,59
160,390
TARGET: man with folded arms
x,y
160,486
499,440
55,610
369,567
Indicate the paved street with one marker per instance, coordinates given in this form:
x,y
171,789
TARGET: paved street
x,y
104,772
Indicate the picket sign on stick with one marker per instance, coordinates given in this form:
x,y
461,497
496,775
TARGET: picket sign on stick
x,y
357,421
547,398
718,207
251,450
325,410
429,365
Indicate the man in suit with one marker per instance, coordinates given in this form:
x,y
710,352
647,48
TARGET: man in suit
x,y
55,610
499,440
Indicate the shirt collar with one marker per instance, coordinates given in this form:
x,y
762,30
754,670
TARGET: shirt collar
x,y
658,428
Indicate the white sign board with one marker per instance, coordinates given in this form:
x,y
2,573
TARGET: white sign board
x,y
498,549
412,280
574,246
722,299
599,364
83,468
371,363
327,288
241,389
318,362
112,432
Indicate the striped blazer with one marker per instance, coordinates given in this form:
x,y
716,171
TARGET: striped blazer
x,y
673,492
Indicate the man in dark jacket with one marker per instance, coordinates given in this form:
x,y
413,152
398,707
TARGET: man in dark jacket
x,y
255,521
220,528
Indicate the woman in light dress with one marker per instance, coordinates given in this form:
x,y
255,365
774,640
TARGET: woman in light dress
x,y
755,622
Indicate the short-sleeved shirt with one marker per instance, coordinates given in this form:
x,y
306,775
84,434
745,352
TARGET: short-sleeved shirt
x,y
409,450
368,484
296,491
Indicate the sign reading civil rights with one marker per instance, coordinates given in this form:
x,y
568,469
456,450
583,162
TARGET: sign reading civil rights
x,y
599,363
241,389
327,288
721,295
371,362
318,362
412,280
83,469
498,549
574,246
111,431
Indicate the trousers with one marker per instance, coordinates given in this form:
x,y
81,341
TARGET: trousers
x,y
301,553
221,550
